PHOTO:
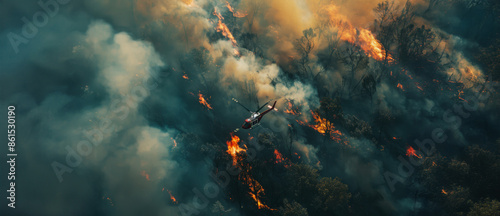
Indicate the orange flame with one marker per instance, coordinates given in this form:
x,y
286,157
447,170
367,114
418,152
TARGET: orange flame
x,y
418,86
324,126
221,27
291,110
175,142
256,189
411,152
233,148
364,38
237,13
203,101
172,197
143,173
280,159
185,76
444,192
279,156
400,86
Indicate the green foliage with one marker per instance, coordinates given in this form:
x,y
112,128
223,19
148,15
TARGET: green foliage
x,y
490,58
485,208
457,183
333,196
357,127
266,140
324,196
292,209
485,172
304,179
201,57
330,109
457,200
189,146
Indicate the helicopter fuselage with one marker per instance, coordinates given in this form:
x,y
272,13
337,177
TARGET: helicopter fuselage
x,y
255,118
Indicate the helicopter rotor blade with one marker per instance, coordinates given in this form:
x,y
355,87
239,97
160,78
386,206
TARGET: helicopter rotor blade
x,y
263,106
241,105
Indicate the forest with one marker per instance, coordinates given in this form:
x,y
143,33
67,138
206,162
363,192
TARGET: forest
x,y
383,107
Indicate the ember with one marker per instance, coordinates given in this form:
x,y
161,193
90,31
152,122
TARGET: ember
x,y
203,101
411,152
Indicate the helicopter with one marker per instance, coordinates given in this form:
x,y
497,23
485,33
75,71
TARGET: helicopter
x,y
255,117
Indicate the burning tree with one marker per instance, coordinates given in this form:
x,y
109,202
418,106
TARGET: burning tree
x,y
233,148
255,189
384,25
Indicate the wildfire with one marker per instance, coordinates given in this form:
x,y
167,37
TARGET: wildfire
x,y
221,27
279,156
185,76
411,152
143,173
233,148
203,101
400,86
321,125
364,38
291,110
256,190
237,13
172,197
324,126
175,142
418,86
444,192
